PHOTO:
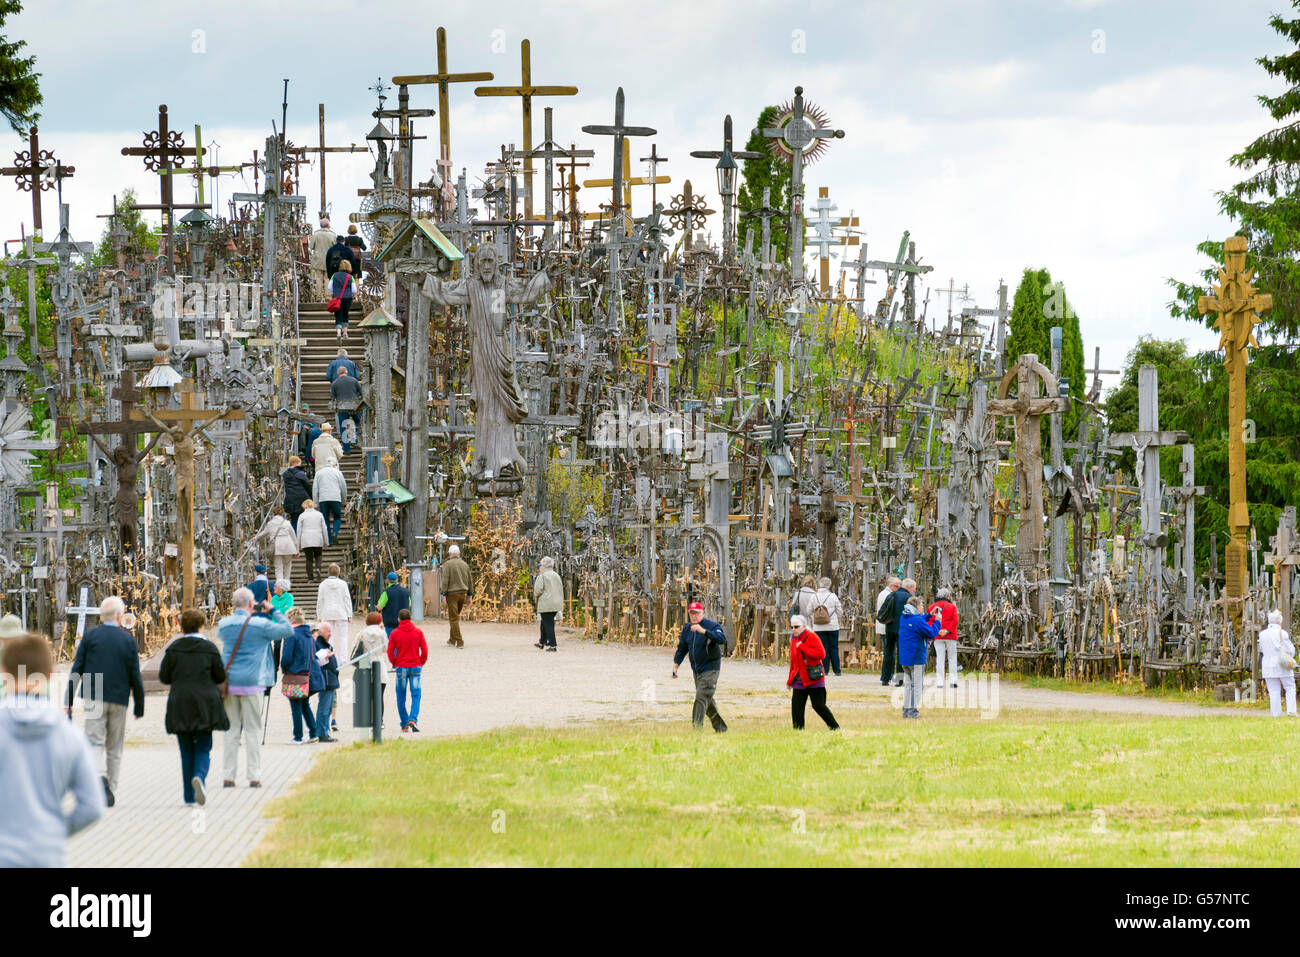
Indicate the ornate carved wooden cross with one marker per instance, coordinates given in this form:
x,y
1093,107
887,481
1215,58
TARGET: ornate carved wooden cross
x,y
160,150
34,170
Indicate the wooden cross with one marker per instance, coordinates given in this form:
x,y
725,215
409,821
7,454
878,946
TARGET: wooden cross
x,y
569,193
686,207
159,150
651,365
322,149
526,91
34,170
188,421
726,158
620,131
763,536
824,239
628,182
1237,305
443,79
1284,558
82,610
278,342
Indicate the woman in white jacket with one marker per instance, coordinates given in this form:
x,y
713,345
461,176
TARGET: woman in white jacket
x,y
1274,644
828,631
334,605
278,533
312,537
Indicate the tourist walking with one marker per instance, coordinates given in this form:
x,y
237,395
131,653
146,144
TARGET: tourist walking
x,y
945,643
391,602
703,641
282,597
882,630
335,255
341,361
342,287
820,608
356,246
109,657
548,597
319,247
43,759
373,641
301,675
329,491
307,436
1277,665
297,489
807,678
327,450
192,667
328,664
246,635
313,535
345,394
279,535
260,586
457,586
334,606
891,613
915,631
407,653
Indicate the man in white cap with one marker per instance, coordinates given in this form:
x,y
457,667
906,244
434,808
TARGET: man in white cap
x,y
319,245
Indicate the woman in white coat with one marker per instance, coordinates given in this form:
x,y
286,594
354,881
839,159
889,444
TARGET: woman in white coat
x,y
1277,665
334,606
828,631
278,533
312,537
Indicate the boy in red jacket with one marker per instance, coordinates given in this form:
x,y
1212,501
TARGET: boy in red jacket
x,y
407,653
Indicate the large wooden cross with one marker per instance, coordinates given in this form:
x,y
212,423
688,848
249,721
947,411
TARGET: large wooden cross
x,y
182,425
1238,306
443,79
322,150
34,170
650,371
126,458
628,181
620,131
526,91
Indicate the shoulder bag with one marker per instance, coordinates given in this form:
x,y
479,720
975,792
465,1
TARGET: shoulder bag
x,y
225,685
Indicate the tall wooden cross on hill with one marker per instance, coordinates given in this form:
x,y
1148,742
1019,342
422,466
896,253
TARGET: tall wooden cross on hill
x,y
526,91
160,150
322,150
1238,306
443,79
726,158
34,170
620,131
628,181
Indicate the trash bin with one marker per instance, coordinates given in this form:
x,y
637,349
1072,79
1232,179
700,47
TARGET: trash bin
x,y
361,698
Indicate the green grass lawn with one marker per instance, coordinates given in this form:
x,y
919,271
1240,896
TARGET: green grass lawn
x,y
1132,687
950,789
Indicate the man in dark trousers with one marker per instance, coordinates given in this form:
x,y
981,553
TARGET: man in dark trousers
x,y
336,254
345,393
703,640
109,657
890,613
392,601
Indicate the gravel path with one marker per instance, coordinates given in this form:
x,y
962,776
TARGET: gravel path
x,y
498,680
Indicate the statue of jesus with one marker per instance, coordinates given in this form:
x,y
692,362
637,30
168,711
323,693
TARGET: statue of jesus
x,y
498,406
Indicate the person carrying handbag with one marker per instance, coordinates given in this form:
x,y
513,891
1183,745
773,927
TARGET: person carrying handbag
x,y
1277,665
807,677
342,288
301,675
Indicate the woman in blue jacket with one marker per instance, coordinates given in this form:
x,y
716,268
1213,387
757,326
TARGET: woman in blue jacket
x,y
915,632
298,657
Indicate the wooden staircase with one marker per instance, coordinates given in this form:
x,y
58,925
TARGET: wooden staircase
x,y
316,325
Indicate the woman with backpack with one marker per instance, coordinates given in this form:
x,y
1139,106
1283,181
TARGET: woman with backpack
x,y
807,678
342,288
821,608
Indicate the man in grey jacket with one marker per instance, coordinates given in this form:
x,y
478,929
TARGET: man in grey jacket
x,y
329,491
43,757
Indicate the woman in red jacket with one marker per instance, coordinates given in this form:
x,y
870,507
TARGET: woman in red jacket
x,y
945,646
807,674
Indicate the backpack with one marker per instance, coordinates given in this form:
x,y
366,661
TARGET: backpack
x,y
821,615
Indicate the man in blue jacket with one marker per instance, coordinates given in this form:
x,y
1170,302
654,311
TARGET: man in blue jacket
x,y
915,632
108,656
341,362
703,640
246,635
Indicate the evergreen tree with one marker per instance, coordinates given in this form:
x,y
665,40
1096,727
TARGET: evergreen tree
x,y
20,91
1039,305
1265,204
771,171
1028,326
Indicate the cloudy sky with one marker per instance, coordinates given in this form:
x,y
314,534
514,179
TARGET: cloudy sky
x,y
1087,136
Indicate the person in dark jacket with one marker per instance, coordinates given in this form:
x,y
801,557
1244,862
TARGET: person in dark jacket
x,y
329,669
807,653
392,601
260,586
345,394
298,657
356,246
335,255
343,286
341,362
297,489
915,633
891,613
192,666
703,640
108,655
307,435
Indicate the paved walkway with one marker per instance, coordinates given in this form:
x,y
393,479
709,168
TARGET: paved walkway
x,y
498,680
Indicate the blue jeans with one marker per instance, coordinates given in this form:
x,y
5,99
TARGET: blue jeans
x,y
196,749
324,706
342,416
831,641
333,515
408,678
301,710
